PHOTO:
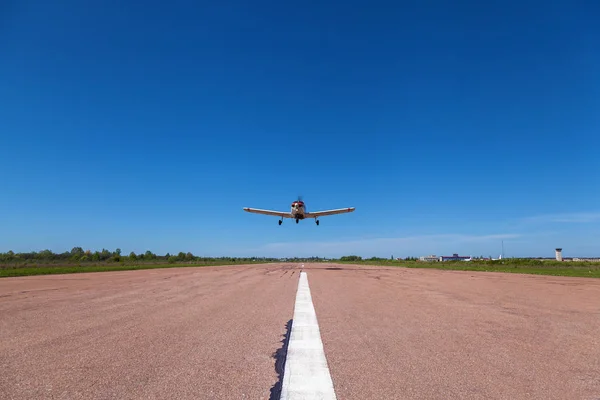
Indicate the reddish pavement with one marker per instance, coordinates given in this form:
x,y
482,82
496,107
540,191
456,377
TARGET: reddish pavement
x,y
212,333
393,333
208,333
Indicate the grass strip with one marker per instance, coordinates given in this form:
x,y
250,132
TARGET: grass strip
x,y
72,269
574,269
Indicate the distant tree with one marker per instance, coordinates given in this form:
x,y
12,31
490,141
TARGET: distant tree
x,y
77,251
172,259
181,256
46,255
149,255
105,254
189,256
132,256
118,251
351,258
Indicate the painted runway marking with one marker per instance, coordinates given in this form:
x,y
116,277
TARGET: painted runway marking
x,y
306,375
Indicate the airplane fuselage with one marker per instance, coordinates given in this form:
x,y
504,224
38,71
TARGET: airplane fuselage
x,y
298,210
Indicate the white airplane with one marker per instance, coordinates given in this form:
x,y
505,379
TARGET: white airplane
x,y
299,212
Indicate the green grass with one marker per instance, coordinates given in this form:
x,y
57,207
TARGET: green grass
x,y
575,269
16,270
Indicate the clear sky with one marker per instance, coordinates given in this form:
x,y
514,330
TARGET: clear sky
x,y
450,126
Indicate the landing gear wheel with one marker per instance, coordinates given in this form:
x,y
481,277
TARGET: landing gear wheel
x,y
297,220
280,221
317,222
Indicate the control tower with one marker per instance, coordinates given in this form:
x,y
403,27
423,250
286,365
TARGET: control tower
x,y
558,254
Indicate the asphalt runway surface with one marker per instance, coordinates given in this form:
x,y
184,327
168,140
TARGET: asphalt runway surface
x,y
220,333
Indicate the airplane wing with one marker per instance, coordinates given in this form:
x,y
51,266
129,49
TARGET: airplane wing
x,y
316,214
269,212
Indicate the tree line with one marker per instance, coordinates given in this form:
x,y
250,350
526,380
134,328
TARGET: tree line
x,y
79,255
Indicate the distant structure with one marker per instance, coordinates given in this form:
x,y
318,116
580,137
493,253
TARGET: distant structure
x,y
559,255
455,257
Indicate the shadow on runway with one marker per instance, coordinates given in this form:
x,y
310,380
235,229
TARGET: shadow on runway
x,y
279,357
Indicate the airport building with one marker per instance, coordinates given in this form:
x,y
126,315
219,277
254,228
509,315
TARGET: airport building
x,y
559,257
455,257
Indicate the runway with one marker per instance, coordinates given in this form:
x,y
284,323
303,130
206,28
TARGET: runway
x,y
187,333
220,333
431,334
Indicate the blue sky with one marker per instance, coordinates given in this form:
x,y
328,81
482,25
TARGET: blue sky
x,y
450,127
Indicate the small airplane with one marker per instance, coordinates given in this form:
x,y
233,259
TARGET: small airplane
x,y
298,212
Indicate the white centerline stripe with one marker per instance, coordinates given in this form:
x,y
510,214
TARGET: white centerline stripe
x,y
306,375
